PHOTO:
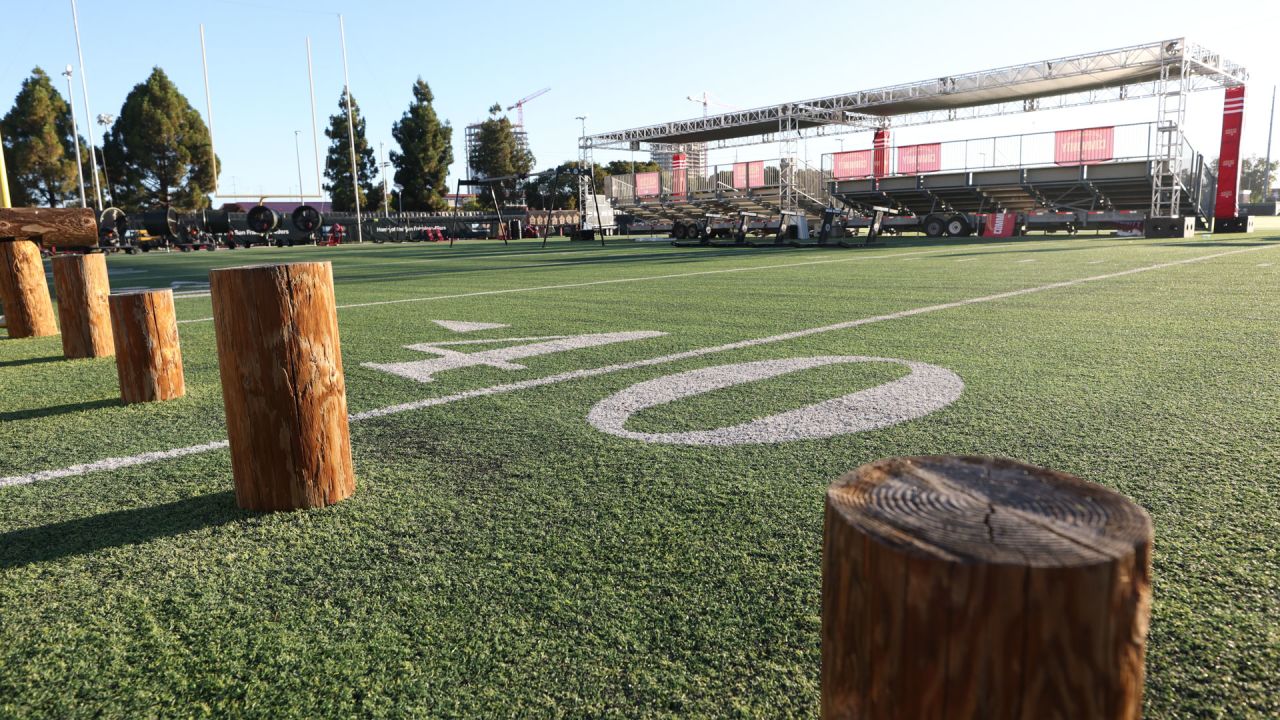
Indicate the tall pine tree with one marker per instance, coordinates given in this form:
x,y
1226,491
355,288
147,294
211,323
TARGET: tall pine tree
x,y
497,154
426,151
158,149
37,144
337,164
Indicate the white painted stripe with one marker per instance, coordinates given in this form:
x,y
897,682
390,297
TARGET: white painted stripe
x,y
967,260
1095,262
144,458
1264,264
822,260
112,464
1026,261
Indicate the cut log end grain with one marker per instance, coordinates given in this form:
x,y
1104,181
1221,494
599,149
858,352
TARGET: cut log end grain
x,y
989,510
974,587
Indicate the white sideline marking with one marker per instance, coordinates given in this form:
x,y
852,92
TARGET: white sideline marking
x,y
1264,264
967,260
116,463
1027,260
1095,262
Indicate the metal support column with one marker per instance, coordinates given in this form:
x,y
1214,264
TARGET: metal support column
x,y
1171,112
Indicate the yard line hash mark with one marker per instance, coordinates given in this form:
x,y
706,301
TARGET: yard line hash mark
x,y
158,456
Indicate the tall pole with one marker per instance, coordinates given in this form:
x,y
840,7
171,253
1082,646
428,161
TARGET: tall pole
x,y
297,153
208,103
386,190
315,132
351,131
75,135
1266,167
88,117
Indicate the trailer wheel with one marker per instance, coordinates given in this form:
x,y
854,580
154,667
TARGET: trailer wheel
x,y
680,230
934,226
958,226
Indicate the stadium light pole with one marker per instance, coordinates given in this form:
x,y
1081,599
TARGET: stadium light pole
x,y
88,116
351,131
75,135
105,119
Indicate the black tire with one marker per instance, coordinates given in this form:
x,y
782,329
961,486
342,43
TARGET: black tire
x,y
680,230
934,226
958,226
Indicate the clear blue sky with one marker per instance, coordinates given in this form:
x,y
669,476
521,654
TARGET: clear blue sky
x,y
622,64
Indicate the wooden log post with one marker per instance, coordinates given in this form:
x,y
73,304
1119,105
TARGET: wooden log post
x,y
283,385
23,290
971,587
82,285
148,354
24,293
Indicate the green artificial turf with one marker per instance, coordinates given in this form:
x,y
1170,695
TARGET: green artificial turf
x,y
502,557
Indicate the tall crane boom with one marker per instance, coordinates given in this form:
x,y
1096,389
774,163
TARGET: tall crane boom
x,y
518,105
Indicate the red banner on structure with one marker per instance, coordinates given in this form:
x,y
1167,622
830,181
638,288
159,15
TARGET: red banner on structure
x,y
740,176
648,184
755,174
1226,204
999,224
880,153
914,159
852,164
1084,147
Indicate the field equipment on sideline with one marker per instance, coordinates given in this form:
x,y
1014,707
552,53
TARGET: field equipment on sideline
x,y
306,219
162,223
262,220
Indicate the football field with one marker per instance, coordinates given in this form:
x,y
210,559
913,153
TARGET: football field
x,y
590,479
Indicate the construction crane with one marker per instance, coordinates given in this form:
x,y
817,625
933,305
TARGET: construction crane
x,y
706,101
518,106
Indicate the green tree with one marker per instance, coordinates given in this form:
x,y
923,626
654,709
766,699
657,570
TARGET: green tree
x,y
337,164
497,154
159,149
426,151
38,145
625,167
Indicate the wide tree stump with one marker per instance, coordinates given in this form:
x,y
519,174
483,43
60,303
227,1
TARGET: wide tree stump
x,y
24,293
63,227
82,285
148,354
971,587
282,384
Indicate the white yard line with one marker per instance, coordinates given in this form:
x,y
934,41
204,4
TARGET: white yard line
x,y
1027,260
823,260
150,457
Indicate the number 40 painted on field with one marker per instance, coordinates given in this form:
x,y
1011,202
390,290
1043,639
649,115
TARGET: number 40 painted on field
x,y
925,389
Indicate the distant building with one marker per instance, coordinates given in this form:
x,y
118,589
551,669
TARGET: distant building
x,y
695,156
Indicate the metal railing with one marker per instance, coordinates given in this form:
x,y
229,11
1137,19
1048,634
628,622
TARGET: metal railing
x,y
1135,141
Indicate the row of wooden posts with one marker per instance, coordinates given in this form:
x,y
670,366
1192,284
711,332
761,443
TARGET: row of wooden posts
x,y
952,587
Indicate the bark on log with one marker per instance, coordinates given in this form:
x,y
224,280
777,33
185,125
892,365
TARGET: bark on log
x,y
82,285
63,227
148,354
24,293
968,587
283,385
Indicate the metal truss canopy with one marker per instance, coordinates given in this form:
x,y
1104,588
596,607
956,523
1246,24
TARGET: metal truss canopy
x,y
1111,75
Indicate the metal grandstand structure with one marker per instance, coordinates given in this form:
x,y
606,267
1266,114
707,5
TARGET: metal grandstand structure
x,y
1168,71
